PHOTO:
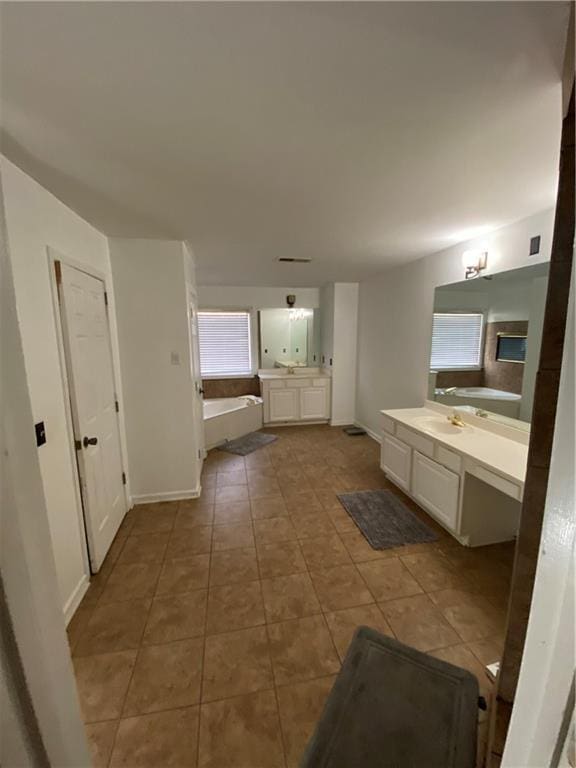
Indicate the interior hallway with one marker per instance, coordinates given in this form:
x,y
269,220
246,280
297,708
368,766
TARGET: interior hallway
x,y
215,628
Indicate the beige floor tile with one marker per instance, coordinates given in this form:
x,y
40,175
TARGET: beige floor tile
x,y
312,525
160,740
340,587
341,520
324,551
183,575
114,627
489,650
342,624
231,494
433,571
273,530
101,740
233,566
300,706
230,463
261,473
269,506
232,537
235,606
226,478
262,489
388,579
471,614
154,518
299,501
102,682
236,663
206,499
359,548
146,548
257,460
165,677
302,649
78,624
280,559
130,581
176,617
187,542
232,514
289,597
243,732
195,517
417,622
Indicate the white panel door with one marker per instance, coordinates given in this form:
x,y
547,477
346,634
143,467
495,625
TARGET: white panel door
x,y
93,400
314,403
436,488
283,404
396,461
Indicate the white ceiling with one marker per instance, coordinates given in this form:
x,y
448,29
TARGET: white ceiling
x,y
357,134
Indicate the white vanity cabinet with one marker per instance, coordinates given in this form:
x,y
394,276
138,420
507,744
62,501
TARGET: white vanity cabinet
x,y
396,460
295,398
436,489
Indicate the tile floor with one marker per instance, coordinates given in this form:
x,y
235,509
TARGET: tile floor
x,y
214,630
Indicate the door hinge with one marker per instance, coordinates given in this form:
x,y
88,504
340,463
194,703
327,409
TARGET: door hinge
x,y
58,271
117,406
123,478
106,298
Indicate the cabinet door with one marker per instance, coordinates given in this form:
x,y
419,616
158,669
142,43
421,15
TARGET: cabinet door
x,y
313,403
436,488
396,460
283,404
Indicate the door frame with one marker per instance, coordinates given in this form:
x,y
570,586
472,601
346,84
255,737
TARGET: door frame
x,y
53,257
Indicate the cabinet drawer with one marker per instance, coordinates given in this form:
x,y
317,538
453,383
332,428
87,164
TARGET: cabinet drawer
x,y
388,425
298,383
320,382
511,489
450,459
275,384
421,443
437,489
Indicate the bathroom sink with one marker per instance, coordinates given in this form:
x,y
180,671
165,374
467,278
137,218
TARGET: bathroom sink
x,y
439,426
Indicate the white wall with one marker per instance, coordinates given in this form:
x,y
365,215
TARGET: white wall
x,y
345,353
150,284
35,219
395,315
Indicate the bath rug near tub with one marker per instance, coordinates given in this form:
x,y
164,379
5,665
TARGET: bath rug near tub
x,y
246,444
384,520
392,705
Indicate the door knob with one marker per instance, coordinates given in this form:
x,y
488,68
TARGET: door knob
x,y
89,441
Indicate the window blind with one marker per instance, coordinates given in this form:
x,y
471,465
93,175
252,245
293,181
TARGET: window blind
x,y
456,340
224,340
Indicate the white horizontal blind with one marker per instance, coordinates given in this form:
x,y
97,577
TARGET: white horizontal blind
x,y
224,343
456,340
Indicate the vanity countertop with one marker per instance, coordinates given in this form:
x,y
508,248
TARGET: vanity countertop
x,y
506,456
299,373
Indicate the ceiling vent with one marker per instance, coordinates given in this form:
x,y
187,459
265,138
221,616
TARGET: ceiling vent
x,y
294,260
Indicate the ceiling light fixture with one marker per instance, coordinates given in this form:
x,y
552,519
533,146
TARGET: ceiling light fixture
x,y
474,262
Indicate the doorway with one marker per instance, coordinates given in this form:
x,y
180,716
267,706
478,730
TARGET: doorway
x,y
85,327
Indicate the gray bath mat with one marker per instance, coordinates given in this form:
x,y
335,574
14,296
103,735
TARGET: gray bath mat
x,y
248,443
384,520
394,707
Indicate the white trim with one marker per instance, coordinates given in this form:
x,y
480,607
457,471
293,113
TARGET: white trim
x,y
75,598
370,432
149,498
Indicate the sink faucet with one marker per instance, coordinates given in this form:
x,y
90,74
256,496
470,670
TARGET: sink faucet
x,y
456,419
290,370
482,413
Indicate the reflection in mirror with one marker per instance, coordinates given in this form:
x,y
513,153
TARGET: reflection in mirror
x,y
486,336
289,338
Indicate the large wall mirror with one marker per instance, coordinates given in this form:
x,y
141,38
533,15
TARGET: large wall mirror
x,y
289,338
486,336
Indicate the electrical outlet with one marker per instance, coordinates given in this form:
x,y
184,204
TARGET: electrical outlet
x,y
534,245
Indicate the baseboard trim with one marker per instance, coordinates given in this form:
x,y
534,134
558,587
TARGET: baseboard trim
x,y
341,422
150,498
76,598
373,435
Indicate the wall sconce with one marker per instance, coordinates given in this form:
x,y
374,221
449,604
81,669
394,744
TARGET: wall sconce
x,y
474,262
